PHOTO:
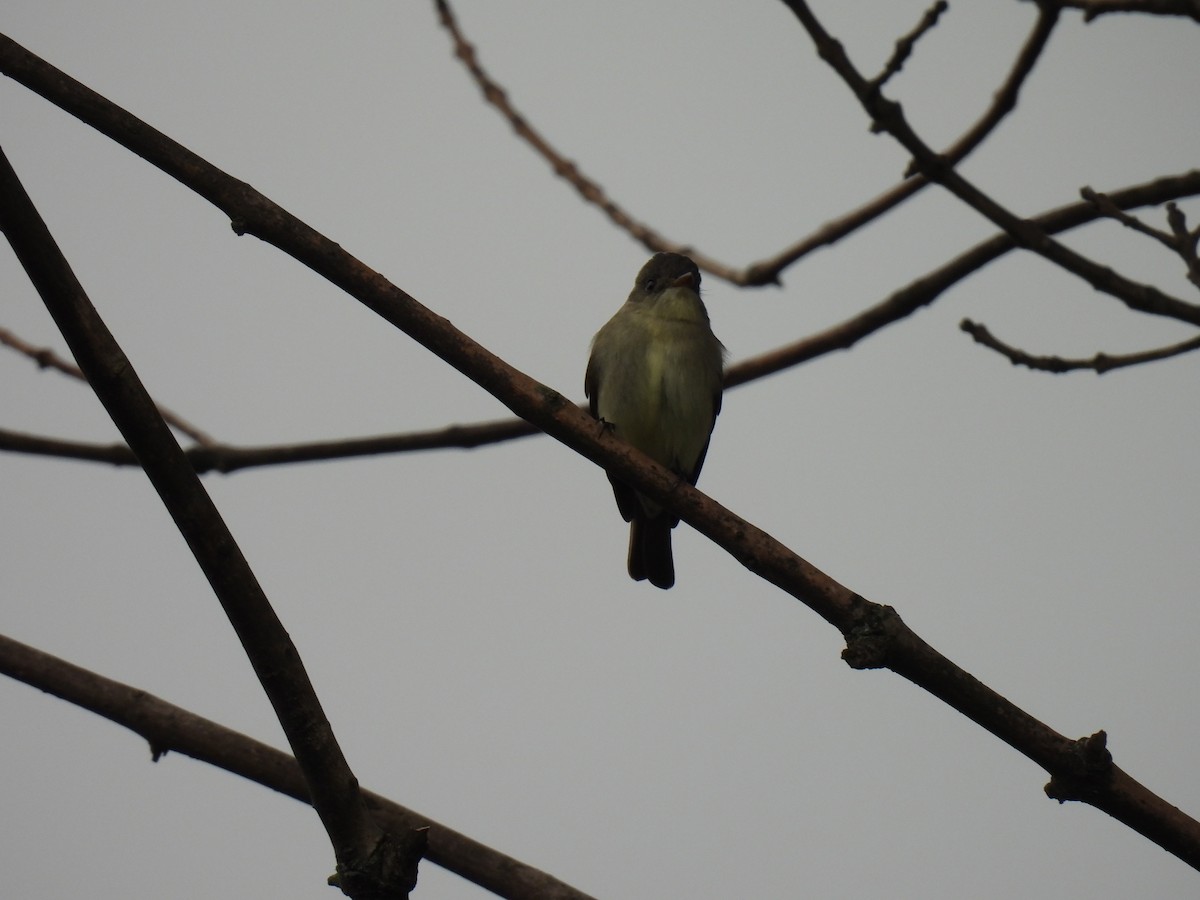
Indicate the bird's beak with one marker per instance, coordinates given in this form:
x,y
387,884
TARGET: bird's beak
x,y
685,280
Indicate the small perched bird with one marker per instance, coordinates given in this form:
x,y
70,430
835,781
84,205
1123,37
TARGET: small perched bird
x,y
655,377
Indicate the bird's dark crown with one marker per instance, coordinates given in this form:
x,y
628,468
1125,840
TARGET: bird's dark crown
x,y
664,269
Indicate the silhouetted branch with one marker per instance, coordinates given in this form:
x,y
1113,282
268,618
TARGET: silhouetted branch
x,y
766,271
1187,241
887,115
1003,102
225,458
588,189
925,290
168,728
919,293
1179,240
1111,211
228,458
40,445
1100,363
371,864
1093,9
48,359
905,45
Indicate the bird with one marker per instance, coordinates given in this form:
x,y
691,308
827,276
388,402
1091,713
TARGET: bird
x,y
655,377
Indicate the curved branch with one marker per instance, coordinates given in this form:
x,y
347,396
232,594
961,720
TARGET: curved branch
x,y
765,271
926,289
906,44
169,728
592,192
1100,363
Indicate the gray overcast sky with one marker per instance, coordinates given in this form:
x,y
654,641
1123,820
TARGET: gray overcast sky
x,y
465,616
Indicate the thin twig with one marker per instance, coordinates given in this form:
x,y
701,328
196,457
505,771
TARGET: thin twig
x,y
766,271
1179,240
1188,241
48,359
1110,210
228,458
1100,363
1004,101
925,290
905,45
566,169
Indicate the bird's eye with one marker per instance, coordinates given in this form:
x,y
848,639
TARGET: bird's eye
x,y
650,282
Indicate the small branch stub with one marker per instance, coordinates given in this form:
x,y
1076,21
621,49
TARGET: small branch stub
x,y
389,873
1090,772
869,642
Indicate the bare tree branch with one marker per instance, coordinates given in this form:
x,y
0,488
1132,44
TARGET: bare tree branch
x,y
875,635
1100,363
40,445
168,728
902,303
925,290
1179,240
1003,102
1110,210
766,271
588,189
1093,9
48,359
371,864
1187,242
905,45
887,115
227,458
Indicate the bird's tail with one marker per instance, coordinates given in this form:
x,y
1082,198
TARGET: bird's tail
x,y
650,550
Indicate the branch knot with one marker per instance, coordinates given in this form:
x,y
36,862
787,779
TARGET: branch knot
x,y
1087,774
870,640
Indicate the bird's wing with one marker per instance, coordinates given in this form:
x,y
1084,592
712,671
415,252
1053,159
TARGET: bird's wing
x,y
591,384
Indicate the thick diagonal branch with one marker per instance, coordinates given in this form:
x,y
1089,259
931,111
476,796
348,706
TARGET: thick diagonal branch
x,y
371,864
